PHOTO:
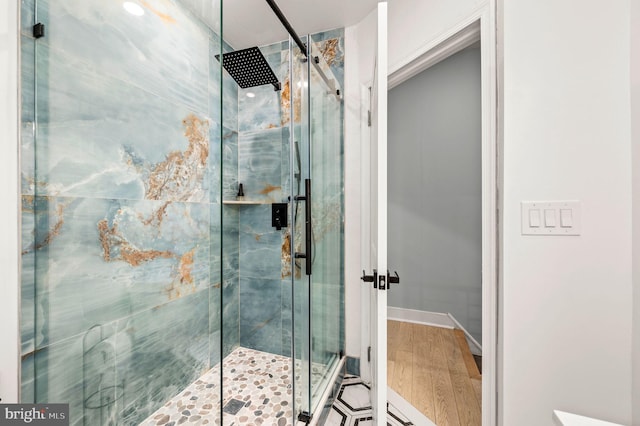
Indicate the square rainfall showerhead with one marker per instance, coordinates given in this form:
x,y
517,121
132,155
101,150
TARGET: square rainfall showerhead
x,y
249,68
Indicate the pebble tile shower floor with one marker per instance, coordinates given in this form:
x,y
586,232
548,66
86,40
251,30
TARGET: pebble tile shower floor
x,y
257,390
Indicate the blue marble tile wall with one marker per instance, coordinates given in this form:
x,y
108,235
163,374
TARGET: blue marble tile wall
x,y
230,240
121,237
261,135
264,171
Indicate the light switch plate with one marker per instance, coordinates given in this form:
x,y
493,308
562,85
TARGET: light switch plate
x,y
553,208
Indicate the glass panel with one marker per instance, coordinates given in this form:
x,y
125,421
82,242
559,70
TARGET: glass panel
x,y
257,296
327,308
301,172
121,185
28,332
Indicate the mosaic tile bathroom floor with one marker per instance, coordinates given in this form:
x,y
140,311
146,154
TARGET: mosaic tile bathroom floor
x,y
257,389
353,407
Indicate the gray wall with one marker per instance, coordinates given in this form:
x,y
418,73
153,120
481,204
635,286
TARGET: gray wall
x,y
435,190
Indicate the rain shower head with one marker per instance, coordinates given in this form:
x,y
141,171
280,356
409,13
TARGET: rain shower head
x,y
249,68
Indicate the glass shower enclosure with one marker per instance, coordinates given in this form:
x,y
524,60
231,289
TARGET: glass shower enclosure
x,y
182,234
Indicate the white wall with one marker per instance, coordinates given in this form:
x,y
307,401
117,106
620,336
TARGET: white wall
x,y
9,194
566,301
635,134
359,46
351,190
413,24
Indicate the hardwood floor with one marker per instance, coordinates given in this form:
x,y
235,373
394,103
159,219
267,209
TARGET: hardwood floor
x,y
433,369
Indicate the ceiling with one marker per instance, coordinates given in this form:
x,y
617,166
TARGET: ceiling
x,y
252,22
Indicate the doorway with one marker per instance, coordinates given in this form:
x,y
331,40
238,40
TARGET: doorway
x,y
443,229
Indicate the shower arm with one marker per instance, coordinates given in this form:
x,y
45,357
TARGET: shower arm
x,y
302,46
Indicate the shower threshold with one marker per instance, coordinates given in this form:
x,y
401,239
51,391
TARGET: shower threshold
x,y
257,390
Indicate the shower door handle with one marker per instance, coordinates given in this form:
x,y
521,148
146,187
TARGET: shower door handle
x,y
308,242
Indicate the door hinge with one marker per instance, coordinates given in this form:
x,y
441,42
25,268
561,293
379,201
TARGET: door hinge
x,y
38,30
369,354
369,118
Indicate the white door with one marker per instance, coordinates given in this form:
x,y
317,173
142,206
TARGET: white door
x,y
378,231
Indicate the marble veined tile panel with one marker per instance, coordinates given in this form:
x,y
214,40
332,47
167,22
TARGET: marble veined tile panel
x,y
287,320
328,34
99,260
27,77
214,171
27,380
259,164
58,375
230,241
265,109
285,172
27,16
261,314
164,51
206,10
159,352
27,277
27,135
229,164
215,324
215,244
133,144
223,98
260,243
331,45
213,174
231,314
27,158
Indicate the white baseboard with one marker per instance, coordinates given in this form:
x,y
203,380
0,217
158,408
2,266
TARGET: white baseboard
x,y
420,317
434,319
475,347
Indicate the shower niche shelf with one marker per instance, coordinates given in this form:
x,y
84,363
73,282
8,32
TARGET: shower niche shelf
x,y
245,202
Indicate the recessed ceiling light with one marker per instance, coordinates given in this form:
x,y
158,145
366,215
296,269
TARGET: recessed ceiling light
x,y
251,95
133,8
